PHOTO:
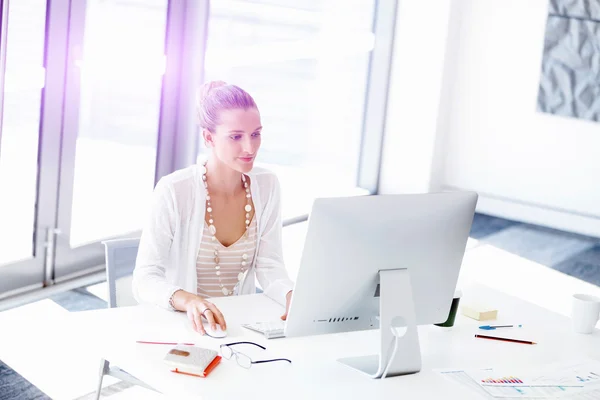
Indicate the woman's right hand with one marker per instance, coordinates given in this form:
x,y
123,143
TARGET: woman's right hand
x,y
198,307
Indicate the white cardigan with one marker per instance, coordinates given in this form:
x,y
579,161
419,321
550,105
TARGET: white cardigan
x,y
166,260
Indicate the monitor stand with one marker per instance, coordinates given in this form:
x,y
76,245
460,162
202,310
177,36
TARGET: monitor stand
x,y
399,351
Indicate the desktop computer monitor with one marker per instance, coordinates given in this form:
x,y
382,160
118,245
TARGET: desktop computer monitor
x,y
382,261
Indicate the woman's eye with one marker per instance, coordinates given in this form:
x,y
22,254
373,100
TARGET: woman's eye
x,y
235,137
256,134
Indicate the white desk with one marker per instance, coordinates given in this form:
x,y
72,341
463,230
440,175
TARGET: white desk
x,y
315,373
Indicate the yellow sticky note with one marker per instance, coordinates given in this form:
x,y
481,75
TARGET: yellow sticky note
x,y
479,312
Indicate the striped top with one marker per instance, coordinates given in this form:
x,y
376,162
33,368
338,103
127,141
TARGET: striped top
x,y
230,261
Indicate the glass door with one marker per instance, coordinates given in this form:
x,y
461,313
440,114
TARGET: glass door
x,y
22,81
112,109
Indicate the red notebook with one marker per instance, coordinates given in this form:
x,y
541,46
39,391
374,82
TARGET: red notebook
x,y
192,360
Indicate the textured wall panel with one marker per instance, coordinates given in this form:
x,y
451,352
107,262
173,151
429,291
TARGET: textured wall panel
x,y
570,80
587,9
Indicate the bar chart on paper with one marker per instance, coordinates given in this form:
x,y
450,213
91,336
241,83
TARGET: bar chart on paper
x,y
516,386
508,380
573,381
517,391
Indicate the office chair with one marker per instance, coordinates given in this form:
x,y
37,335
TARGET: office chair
x,y
120,257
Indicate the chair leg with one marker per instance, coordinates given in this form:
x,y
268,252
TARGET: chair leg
x,y
104,366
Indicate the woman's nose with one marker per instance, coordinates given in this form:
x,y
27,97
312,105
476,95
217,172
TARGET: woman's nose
x,y
248,146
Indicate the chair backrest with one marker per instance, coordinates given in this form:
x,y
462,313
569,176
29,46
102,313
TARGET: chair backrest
x,y
120,255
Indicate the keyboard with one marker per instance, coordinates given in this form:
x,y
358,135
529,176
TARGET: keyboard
x,y
271,329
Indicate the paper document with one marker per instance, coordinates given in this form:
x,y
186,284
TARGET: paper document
x,y
572,381
462,378
593,395
500,384
585,373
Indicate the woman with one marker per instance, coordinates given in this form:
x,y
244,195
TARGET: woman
x,y
215,226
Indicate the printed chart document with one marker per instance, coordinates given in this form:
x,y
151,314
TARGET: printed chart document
x,y
503,384
573,381
461,377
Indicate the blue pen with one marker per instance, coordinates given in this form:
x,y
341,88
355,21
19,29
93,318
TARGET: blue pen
x,y
492,327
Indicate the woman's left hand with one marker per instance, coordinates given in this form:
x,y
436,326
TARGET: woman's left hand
x,y
288,297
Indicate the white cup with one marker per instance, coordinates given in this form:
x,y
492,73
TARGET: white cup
x,y
586,310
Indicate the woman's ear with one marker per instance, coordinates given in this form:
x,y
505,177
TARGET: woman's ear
x,y
208,138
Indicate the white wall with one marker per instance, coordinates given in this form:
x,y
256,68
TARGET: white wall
x,y
526,165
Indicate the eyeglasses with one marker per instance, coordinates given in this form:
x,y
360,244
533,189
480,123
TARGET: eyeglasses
x,y
242,359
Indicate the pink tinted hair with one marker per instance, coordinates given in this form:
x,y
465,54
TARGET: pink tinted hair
x,y
217,96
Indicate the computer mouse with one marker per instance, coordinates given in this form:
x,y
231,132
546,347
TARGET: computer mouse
x,y
217,333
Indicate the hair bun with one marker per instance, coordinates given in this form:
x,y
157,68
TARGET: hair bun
x,y
207,88
217,96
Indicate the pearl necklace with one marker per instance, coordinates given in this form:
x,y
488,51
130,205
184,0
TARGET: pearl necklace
x,y
213,230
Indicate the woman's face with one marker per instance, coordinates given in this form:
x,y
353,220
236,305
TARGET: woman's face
x,y
236,139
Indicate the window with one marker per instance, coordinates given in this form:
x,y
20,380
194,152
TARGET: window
x,y
119,106
308,76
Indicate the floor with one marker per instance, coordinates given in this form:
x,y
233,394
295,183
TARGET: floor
x,y
575,255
